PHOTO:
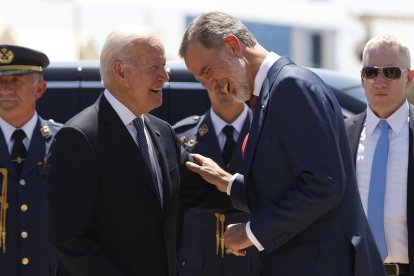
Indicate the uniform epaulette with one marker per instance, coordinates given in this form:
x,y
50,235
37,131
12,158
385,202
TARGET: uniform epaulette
x,y
55,124
187,122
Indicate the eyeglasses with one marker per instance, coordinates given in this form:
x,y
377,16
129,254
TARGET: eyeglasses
x,y
390,72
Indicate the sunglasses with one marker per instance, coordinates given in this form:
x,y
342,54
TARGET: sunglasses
x,y
390,72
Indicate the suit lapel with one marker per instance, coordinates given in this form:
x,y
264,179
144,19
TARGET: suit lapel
x,y
36,152
207,144
161,156
354,133
113,128
5,160
260,112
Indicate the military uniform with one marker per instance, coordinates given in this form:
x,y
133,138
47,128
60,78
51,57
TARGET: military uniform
x,y
24,249
200,251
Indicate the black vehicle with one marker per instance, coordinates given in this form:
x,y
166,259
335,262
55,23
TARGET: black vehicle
x,y
73,86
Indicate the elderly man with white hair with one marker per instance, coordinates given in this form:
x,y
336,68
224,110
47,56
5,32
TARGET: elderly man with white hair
x,y
114,170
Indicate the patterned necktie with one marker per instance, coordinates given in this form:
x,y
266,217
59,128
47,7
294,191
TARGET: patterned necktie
x,y
143,147
377,189
142,141
19,152
229,145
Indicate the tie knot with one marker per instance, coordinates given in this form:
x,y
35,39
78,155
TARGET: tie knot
x,y
18,135
228,131
138,124
383,124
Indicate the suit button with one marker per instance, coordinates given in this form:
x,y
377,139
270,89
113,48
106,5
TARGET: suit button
x,y
25,261
24,207
183,263
24,234
22,182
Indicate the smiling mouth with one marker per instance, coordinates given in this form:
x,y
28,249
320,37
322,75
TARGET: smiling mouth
x,y
156,90
224,87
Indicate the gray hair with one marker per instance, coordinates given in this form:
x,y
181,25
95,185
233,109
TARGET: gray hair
x,y
387,40
211,29
117,48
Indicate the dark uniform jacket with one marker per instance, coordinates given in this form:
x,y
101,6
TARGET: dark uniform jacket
x,y
27,249
197,248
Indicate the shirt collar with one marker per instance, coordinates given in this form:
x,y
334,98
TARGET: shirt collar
x,y
28,128
123,112
270,59
396,120
219,123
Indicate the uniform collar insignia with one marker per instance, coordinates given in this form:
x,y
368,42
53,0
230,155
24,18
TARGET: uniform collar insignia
x,y
45,130
203,130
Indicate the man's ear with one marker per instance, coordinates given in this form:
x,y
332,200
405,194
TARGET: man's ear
x,y
119,71
41,86
233,45
410,77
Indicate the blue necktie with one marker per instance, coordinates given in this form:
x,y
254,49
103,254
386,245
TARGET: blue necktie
x,y
142,142
377,189
143,147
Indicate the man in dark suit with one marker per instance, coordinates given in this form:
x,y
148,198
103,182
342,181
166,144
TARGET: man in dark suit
x,y
386,77
114,170
24,142
298,179
217,134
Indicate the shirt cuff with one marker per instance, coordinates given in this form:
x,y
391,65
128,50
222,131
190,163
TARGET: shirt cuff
x,y
231,183
252,238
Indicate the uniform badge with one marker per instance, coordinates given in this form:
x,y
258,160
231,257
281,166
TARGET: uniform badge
x,y
203,130
6,56
190,144
45,131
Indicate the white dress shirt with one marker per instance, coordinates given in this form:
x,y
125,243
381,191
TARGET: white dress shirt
x,y
218,125
395,205
270,59
28,129
127,117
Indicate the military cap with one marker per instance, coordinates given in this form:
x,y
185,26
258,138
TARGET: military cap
x,y
16,60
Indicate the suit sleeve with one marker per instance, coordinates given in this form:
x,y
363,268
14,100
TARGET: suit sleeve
x,y
194,191
306,121
73,183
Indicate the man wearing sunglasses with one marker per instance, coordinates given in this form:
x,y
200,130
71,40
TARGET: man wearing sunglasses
x,y
380,139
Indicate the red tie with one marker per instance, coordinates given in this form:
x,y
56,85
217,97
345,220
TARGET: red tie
x,y
253,102
246,138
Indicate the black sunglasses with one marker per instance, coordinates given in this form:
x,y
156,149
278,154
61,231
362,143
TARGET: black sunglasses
x,y
390,72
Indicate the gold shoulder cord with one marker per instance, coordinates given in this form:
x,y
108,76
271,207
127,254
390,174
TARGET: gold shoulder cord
x,y
220,219
3,208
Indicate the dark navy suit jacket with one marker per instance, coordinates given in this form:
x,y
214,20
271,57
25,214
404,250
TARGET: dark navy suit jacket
x,y
299,181
29,188
106,218
354,126
197,246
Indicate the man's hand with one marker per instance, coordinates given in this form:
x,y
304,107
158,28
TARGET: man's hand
x,y
210,171
236,240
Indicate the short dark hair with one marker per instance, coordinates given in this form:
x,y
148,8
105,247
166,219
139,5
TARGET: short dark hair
x,y
211,29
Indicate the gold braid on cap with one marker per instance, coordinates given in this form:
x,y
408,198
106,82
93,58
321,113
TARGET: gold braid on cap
x,y
21,68
3,208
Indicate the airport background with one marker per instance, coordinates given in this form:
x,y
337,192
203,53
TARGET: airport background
x,y
320,33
